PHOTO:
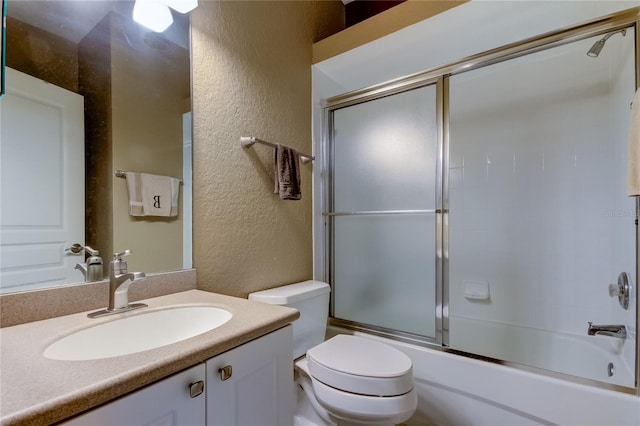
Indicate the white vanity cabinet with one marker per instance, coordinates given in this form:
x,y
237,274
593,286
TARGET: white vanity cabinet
x,y
249,385
168,402
253,384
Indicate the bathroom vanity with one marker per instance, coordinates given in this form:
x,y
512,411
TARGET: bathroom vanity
x,y
241,368
248,385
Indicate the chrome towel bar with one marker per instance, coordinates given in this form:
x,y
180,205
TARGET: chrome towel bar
x,y
123,174
248,141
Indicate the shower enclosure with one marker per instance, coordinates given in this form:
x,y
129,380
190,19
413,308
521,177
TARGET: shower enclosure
x,y
481,206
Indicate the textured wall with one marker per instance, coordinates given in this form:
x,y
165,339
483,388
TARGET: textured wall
x,y
251,77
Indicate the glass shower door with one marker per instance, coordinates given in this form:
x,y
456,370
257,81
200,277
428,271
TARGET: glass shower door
x,y
383,218
539,221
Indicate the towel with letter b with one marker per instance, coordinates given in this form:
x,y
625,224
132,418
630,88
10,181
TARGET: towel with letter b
x,y
152,195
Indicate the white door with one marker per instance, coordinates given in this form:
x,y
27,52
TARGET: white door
x,y
41,183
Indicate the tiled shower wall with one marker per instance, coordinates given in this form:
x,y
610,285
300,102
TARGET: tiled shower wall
x,y
538,209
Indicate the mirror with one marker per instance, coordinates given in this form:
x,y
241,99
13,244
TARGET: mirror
x,y
130,90
2,30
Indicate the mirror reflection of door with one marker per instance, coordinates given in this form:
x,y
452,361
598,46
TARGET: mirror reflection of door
x,y
42,201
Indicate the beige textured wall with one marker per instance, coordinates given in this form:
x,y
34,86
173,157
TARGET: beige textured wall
x,y
251,77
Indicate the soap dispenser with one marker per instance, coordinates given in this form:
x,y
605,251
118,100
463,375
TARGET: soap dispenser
x,y
94,265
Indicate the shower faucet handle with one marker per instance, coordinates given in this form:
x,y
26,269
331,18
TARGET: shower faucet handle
x,y
621,290
615,290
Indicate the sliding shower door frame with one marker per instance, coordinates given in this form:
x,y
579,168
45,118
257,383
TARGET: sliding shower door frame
x,y
440,76
329,213
637,51
442,272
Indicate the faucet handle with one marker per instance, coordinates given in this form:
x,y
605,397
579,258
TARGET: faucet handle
x,y
90,251
119,256
621,290
76,249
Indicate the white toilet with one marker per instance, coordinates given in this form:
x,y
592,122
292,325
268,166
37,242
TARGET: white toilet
x,y
346,380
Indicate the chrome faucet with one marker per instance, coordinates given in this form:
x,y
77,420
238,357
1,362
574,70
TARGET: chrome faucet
x,y
83,269
619,331
92,268
119,281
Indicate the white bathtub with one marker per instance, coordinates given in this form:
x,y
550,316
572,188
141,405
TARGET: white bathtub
x,y
455,390
578,355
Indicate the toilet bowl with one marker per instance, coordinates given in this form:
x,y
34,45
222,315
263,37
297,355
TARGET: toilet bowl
x,y
360,381
346,380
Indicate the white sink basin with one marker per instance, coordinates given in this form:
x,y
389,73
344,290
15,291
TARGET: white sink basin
x,y
137,333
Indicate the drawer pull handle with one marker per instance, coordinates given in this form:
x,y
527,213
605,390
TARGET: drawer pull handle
x,y
225,372
196,388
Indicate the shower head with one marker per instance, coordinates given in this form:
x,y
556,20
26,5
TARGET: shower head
x,y
596,48
598,45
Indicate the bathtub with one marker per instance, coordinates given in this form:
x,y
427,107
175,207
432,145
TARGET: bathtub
x,y
456,390
602,358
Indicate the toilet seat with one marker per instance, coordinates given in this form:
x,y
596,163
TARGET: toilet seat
x,y
357,365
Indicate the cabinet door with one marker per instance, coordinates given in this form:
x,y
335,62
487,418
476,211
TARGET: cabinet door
x,y
165,403
252,385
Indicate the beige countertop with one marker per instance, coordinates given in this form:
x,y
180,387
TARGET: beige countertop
x,y
35,390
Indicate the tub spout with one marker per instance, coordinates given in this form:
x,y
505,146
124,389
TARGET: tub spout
x,y
619,331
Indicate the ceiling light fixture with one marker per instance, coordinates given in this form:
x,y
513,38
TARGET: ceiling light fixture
x,y
152,14
155,14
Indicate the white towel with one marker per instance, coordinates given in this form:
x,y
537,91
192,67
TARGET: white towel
x,y
152,195
633,170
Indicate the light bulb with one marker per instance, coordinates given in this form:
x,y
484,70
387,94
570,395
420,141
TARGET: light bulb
x,y
153,14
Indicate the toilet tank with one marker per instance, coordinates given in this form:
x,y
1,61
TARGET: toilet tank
x,y
311,299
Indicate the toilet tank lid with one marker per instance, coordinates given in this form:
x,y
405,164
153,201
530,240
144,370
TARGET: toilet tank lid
x,y
291,293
